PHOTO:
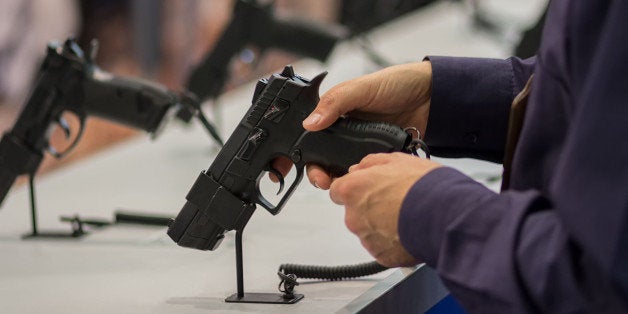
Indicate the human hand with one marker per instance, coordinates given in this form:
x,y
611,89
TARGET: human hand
x,y
372,193
399,95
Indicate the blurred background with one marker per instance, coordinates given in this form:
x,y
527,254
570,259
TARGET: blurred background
x,y
164,40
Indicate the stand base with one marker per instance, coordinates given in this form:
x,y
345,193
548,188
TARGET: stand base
x,y
53,235
268,298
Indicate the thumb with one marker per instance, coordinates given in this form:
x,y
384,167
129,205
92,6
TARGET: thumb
x,y
337,101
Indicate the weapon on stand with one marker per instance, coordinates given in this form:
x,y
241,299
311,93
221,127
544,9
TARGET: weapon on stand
x,y
70,82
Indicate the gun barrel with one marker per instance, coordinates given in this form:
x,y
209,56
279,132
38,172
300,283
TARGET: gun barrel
x,y
7,178
15,160
210,211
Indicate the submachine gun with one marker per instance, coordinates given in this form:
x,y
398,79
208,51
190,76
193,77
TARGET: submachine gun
x,y
70,81
223,198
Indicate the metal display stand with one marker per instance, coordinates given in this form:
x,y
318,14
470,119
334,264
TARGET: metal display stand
x,y
77,225
288,297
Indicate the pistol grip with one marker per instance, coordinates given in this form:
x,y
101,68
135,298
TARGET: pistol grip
x,y
348,140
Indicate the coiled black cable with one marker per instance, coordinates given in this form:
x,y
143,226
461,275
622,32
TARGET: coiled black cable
x,y
332,272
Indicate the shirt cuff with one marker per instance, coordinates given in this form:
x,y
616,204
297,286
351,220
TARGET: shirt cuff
x,y
431,205
469,109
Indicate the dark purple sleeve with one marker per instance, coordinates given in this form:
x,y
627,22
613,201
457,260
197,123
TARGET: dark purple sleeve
x,y
497,253
470,103
563,250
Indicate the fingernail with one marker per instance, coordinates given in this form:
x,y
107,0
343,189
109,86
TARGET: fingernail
x,y
316,185
312,119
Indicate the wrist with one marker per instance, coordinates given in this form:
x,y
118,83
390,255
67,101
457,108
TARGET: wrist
x,y
423,87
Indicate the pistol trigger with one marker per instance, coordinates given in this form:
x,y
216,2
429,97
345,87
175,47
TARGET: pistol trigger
x,y
279,177
63,123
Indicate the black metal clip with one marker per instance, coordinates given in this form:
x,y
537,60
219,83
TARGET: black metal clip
x,y
417,143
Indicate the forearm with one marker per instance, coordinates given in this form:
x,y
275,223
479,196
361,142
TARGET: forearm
x,y
470,103
498,252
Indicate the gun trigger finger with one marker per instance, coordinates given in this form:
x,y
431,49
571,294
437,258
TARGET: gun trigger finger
x,y
279,177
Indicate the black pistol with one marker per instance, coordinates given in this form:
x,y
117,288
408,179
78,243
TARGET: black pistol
x,y
69,81
223,198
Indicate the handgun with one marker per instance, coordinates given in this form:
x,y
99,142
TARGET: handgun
x,y
253,23
69,81
224,197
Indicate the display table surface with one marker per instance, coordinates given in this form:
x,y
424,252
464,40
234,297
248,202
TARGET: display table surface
x,y
138,269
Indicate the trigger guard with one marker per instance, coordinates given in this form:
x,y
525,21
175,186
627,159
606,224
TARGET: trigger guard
x,y
275,209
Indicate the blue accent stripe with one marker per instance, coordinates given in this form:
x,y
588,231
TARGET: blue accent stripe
x,y
448,305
